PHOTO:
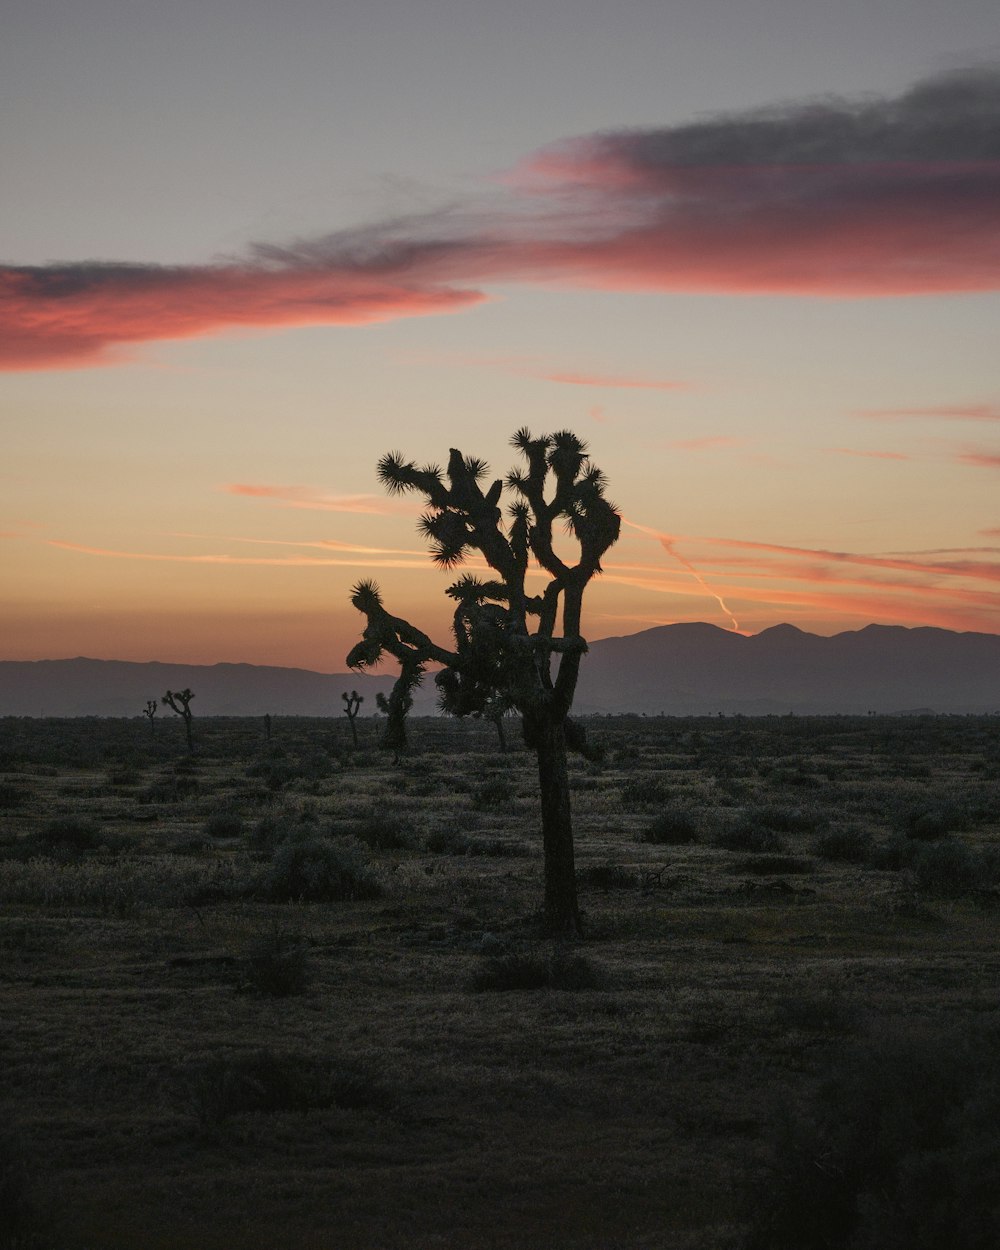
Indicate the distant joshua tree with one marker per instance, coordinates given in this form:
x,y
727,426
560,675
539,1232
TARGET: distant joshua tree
x,y
179,701
352,706
505,638
150,711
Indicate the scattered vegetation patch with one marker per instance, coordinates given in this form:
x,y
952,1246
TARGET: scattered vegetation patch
x,y
277,965
674,827
747,836
560,970
607,876
897,1150
269,1082
311,869
846,845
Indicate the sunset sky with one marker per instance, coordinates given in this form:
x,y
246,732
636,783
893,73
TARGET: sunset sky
x,y
748,249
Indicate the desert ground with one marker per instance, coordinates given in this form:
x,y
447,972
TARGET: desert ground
x,y
285,992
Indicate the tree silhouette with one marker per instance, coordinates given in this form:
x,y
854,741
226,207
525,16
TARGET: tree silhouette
x,y
150,711
179,701
352,706
506,645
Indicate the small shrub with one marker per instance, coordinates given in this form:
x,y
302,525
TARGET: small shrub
x,y
746,836
852,846
644,792
786,819
269,1083
315,870
929,823
559,971
607,876
447,842
674,827
947,868
68,833
491,794
774,865
382,832
277,965
224,823
13,796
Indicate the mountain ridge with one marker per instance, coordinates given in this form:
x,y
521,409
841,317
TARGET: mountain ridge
x,y
689,668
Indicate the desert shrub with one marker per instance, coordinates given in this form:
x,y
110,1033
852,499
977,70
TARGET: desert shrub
x,y
786,819
852,846
745,835
269,1083
948,868
447,842
455,842
12,795
898,1150
815,1010
68,833
493,793
774,865
894,854
317,870
607,876
225,822
558,971
674,827
277,964
381,831
264,836
927,823
644,792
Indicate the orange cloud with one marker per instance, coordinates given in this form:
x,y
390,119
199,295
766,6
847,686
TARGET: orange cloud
x,y
872,455
846,199
283,561
709,443
617,381
312,499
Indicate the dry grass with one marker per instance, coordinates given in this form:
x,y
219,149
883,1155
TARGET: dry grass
x,y
160,1092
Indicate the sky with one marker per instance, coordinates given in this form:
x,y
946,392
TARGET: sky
x,y
748,249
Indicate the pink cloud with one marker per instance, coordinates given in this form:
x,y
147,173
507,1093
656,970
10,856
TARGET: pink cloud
x,y
907,586
844,199
981,459
944,412
75,316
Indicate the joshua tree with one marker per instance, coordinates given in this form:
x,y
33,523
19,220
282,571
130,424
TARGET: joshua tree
x,y
179,701
507,641
352,706
150,711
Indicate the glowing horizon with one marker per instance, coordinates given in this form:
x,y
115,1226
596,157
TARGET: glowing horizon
x,y
768,312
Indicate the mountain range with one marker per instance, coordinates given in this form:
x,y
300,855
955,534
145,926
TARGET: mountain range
x,y
687,669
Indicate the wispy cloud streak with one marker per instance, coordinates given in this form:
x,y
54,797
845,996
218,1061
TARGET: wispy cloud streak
x,y
899,586
826,198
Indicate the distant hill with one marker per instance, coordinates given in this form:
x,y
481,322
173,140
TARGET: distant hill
x,y
84,687
700,670
676,669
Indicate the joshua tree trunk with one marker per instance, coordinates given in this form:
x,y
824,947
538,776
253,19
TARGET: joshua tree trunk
x,y
562,912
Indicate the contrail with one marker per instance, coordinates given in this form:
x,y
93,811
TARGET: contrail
x,y
668,546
